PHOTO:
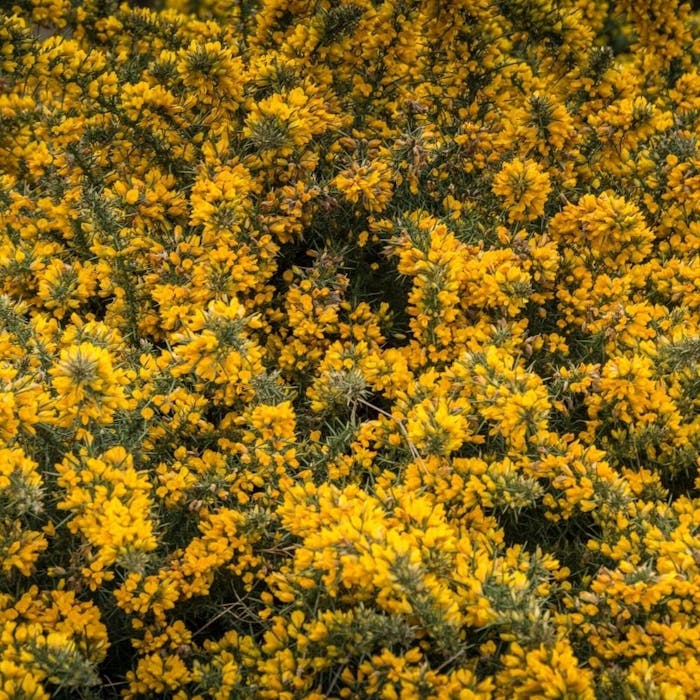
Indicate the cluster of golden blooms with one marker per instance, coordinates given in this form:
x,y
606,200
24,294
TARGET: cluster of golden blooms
x,y
350,348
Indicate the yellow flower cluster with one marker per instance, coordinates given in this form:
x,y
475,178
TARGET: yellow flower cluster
x,y
350,349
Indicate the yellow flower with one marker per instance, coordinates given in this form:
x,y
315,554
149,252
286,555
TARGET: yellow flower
x,y
63,288
212,73
437,429
370,185
157,673
524,187
88,385
111,508
21,483
20,547
607,228
284,122
549,671
223,203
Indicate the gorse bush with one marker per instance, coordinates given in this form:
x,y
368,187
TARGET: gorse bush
x,y
350,349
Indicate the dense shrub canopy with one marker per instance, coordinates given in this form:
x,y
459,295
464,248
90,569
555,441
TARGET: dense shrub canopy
x,y
350,349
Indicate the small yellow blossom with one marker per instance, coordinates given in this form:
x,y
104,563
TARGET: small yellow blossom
x,y
524,188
